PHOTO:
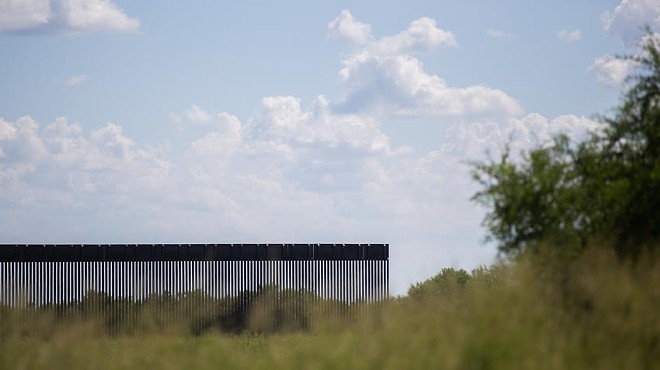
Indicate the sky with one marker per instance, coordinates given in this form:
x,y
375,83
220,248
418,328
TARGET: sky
x,y
291,121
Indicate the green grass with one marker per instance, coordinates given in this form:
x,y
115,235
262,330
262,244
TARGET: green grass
x,y
593,314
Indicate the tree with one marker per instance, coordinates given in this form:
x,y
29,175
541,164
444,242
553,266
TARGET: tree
x,y
448,282
569,194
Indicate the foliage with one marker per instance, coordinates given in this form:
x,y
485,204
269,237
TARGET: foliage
x,y
570,194
268,310
503,318
448,281
452,283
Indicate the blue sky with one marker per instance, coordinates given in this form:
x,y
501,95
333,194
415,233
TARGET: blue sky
x,y
290,121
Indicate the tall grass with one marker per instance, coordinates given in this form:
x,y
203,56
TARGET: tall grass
x,y
594,313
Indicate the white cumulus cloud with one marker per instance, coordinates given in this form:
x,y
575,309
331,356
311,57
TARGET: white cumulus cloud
x,y
612,71
64,15
76,80
497,33
384,78
421,35
629,18
197,115
345,27
18,15
399,86
569,36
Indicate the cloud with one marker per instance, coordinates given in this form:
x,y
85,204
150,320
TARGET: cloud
x,y
61,166
399,86
22,15
612,71
282,120
197,115
497,33
64,15
476,140
569,36
76,80
104,15
346,28
422,35
629,17
383,78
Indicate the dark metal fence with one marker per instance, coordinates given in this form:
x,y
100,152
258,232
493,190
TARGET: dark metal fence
x,y
197,287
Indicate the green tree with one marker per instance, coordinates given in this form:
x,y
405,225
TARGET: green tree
x,y
569,194
448,282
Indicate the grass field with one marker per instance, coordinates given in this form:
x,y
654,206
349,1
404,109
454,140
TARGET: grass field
x,y
594,314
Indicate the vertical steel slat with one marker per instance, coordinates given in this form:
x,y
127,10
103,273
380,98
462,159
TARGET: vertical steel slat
x,y
162,278
107,273
327,287
295,267
204,287
244,286
65,289
112,266
10,288
289,278
333,286
95,296
247,263
21,282
68,289
214,288
232,286
29,289
14,288
177,289
126,296
239,283
295,295
350,291
167,293
182,292
105,284
4,283
327,273
116,292
156,291
279,274
300,299
340,280
241,277
225,290
323,275
129,308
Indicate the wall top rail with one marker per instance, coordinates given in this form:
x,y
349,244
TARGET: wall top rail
x,y
191,252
